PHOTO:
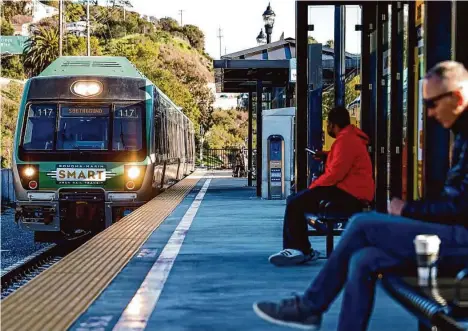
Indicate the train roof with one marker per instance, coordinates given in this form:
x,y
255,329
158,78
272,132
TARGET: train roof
x,y
113,66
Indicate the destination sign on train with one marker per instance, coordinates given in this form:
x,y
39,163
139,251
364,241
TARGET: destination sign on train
x,y
81,111
87,175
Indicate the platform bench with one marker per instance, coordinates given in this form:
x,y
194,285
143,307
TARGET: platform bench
x,y
331,221
440,308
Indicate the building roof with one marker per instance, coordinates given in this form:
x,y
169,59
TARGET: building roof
x,y
21,19
274,51
281,49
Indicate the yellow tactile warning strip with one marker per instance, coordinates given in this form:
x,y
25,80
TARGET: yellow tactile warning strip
x,y
58,296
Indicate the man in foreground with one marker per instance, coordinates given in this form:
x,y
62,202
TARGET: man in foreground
x,y
375,242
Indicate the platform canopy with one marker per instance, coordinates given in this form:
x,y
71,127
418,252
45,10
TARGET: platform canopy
x,y
270,63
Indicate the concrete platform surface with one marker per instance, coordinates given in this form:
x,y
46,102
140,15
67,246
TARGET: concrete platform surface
x,y
220,270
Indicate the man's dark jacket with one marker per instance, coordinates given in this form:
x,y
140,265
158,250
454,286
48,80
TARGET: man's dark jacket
x,y
451,207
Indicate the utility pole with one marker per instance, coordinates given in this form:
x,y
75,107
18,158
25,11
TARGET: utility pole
x,y
60,27
180,12
220,36
87,26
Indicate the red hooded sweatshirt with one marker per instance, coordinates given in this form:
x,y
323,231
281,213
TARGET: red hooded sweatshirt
x,y
349,166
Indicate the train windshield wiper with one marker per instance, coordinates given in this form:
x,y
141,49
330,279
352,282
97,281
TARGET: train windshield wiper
x,y
122,135
64,130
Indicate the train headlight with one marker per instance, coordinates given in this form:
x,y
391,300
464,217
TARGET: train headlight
x,y
134,176
29,176
29,172
87,88
133,172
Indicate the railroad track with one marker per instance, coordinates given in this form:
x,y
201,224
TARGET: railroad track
x,y
19,274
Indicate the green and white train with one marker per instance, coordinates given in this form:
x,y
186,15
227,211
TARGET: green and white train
x,y
95,139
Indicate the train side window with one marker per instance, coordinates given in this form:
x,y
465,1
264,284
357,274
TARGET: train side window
x,y
172,138
164,135
156,123
158,137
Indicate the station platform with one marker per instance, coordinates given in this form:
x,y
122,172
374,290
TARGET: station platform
x,y
193,258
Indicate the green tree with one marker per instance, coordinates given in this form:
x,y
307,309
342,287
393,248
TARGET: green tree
x,y
229,129
74,12
6,28
330,43
312,40
48,23
74,46
12,8
41,49
195,36
52,3
12,67
10,96
169,24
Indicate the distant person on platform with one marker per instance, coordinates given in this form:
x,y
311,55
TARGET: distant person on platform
x,y
375,242
239,170
347,180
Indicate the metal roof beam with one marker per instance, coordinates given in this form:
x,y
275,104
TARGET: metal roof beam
x,y
251,64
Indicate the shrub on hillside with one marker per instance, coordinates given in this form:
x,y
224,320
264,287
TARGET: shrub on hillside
x,y
10,100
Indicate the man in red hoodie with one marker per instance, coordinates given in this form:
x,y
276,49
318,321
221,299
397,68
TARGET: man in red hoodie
x,y
347,180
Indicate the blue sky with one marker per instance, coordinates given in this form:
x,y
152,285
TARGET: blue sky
x,y
241,20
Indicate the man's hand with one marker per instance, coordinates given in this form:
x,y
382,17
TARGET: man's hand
x,y
320,155
396,207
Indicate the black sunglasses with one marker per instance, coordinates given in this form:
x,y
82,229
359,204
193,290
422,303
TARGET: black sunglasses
x,y
430,103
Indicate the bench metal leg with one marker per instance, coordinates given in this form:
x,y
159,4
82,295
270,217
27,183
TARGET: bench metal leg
x,y
424,327
330,238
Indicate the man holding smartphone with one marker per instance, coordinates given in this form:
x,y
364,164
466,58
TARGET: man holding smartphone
x,y
347,180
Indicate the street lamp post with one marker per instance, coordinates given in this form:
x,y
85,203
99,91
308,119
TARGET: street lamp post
x,y
269,20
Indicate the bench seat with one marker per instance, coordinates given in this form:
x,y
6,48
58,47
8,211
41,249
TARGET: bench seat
x,y
440,308
331,220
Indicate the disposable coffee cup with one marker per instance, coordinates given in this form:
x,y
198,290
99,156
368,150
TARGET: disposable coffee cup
x,y
427,254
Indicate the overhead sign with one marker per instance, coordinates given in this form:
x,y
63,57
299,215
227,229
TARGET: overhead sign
x,y
12,44
292,70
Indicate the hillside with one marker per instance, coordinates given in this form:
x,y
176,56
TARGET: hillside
x,y
170,55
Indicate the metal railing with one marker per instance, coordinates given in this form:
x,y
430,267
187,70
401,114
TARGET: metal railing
x,y
221,158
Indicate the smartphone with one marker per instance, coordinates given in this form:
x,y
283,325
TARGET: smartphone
x,y
310,151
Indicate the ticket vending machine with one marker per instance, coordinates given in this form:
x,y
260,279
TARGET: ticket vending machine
x,y
278,152
275,167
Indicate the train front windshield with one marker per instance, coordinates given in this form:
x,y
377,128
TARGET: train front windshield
x,y
66,127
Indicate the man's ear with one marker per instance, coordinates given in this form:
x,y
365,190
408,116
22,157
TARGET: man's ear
x,y
460,98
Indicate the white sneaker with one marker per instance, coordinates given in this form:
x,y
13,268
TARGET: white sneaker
x,y
287,257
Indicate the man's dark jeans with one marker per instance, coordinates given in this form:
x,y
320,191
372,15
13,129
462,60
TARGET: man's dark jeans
x,y
371,243
307,201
